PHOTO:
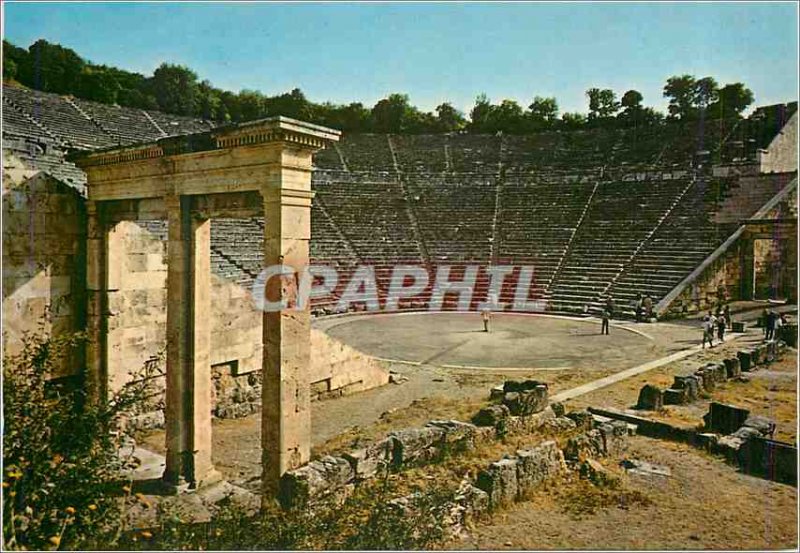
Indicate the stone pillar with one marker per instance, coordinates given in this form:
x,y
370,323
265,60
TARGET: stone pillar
x,y
748,278
188,398
104,253
286,414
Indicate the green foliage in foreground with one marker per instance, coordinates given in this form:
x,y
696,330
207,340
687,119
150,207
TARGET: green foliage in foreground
x,y
62,487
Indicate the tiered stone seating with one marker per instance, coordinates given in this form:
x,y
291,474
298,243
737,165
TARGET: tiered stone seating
x,y
536,222
238,243
471,153
328,159
473,199
619,219
130,125
420,154
455,215
177,124
367,152
16,123
329,249
59,117
684,239
371,215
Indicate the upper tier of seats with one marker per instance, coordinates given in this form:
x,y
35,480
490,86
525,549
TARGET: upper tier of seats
x,y
595,212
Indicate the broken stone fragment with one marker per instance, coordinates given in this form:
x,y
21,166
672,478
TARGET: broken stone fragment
x,y
583,419
538,464
491,415
745,359
299,487
651,398
692,384
584,446
596,473
368,461
526,402
415,445
674,396
733,367
499,481
458,436
764,425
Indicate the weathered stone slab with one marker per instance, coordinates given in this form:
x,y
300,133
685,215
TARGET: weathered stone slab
x,y
491,415
651,398
692,384
738,326
584,446
614,434
560,425
317,479
745,359
458,436
416,445
675,396
583,419
536,465
593,471
473,501
368,461
733,367
764,425
725,419
526,402
756,356
499,481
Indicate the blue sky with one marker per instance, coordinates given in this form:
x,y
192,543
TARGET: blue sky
x,y
434,52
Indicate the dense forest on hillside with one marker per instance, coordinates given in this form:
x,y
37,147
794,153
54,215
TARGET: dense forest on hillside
x,y
177,89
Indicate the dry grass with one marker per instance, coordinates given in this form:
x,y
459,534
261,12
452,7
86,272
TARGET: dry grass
x,y
416,414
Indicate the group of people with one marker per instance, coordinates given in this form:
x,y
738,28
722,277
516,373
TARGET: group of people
x,y
772,322
716,324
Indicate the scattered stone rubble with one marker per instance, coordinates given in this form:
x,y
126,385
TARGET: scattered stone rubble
x,y
686,389
334,477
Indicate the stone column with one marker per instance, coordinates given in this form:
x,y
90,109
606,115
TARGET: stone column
x,y
104,255
286,414
188,398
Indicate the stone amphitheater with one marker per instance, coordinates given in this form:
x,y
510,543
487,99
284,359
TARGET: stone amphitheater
x,y
693,215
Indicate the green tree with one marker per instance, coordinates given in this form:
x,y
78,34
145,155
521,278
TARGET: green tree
x,y
449,119
481,114
14,58
573,120
291,104
393,114
508,117
732,100
603,103
543,112
176,89
97,84
688,96
251,105
52,68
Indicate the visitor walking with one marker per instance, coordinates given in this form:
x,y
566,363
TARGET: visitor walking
x,y
486,315
722,322
647,307
771,318
606,318
709,322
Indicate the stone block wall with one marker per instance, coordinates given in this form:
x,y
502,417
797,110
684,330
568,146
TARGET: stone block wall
x,y
781,155
720,280
44,259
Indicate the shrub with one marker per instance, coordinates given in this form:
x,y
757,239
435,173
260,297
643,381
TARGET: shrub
x,y
61,452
